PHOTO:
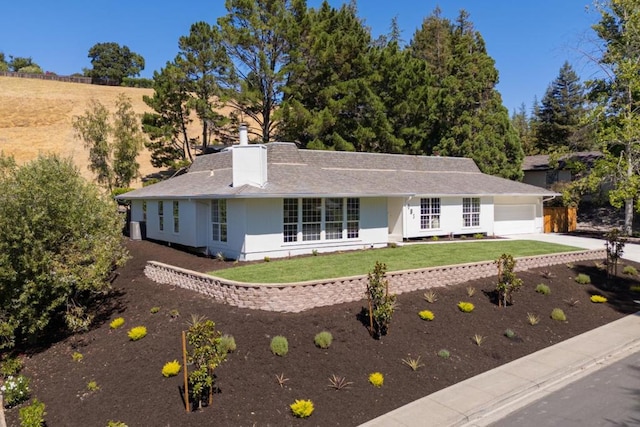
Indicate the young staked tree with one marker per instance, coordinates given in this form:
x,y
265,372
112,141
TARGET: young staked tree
x,y
616,99
111,63
260,38
560,117
113,147
60,241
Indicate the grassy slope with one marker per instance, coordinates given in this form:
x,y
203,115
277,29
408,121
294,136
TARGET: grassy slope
x,y
401,258
36,116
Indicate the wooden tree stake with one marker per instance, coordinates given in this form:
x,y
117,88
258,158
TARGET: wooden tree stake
x,y
186,376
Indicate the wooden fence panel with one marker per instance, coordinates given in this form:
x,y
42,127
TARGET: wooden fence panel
x,y
560,219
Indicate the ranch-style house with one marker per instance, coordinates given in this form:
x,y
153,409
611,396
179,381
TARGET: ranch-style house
x,y
252,201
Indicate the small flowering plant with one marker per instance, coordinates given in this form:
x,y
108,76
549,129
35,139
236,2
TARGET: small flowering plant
x,y
376,379
598,298
15,390
302,408
137,333
426,315
171,369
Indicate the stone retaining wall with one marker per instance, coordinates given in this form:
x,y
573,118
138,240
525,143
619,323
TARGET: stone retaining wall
x,y
297,297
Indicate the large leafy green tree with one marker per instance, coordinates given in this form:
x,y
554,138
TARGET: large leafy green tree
x,y
4,65
60,241
616,99
113,147
111,63
560,117
260,38
23,65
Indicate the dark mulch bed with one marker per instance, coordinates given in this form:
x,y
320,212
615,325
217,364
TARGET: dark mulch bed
x,y
132,389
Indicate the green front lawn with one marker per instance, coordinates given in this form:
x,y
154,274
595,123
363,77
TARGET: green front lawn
x,y
354,263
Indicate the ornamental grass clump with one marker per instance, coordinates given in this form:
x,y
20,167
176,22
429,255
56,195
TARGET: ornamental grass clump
x,y
32,415
583,279
323,339
558,314
228,344
630,270
302,408
279,345
376,379
426,315
466,307
116,323
543,289
137,333
598,299
171,369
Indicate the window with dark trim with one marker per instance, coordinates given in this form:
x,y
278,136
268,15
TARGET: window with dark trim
x,y
429,213
219,220
470,212
161,215
176,217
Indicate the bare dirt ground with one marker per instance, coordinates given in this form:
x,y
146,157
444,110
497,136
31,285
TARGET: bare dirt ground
x,y
132,389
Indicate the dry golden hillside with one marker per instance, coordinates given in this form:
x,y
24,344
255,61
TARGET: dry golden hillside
x,y
36,117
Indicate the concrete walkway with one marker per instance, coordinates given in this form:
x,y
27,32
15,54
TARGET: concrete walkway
x,y
488,397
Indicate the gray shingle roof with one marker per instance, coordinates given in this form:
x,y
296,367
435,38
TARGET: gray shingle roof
x,y
297,173
541,161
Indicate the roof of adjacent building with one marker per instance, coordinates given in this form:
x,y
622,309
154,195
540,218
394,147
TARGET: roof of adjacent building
x,y
293,172
540,162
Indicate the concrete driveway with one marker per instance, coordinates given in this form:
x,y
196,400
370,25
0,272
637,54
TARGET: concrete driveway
x,y
631,251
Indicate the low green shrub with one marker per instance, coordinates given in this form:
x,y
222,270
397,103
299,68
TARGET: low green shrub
x,y
543,289
154,310
15,390
112,423
478,236
466,307
598,299
227,344
171,369
376,379
302,408
630,270
279,345
583,279
116,323
323,339
93,386
509,333
435,238
137,333
444,354
426,315
77,356
32,415
11,366
558,314
634,288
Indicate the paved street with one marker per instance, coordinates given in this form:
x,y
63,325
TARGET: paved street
x,y
607,397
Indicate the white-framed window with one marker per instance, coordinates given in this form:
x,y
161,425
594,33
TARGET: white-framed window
x,y
176,216
290,220
313,219
144,210
333,218
471,212
429,213
353,218
161,215
219,220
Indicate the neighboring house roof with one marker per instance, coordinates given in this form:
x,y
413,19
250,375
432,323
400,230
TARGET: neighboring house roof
x,y
540,162
294,172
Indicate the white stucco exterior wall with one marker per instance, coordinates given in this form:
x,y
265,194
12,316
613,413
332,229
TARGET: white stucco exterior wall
x,y
450,218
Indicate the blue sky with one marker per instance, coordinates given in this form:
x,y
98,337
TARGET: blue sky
x,y
529,40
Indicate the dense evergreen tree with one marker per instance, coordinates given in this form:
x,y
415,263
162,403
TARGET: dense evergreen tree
x,y
560,116
472,120
521,123
329,98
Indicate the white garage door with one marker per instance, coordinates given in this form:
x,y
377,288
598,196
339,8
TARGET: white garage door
x,y
514,219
